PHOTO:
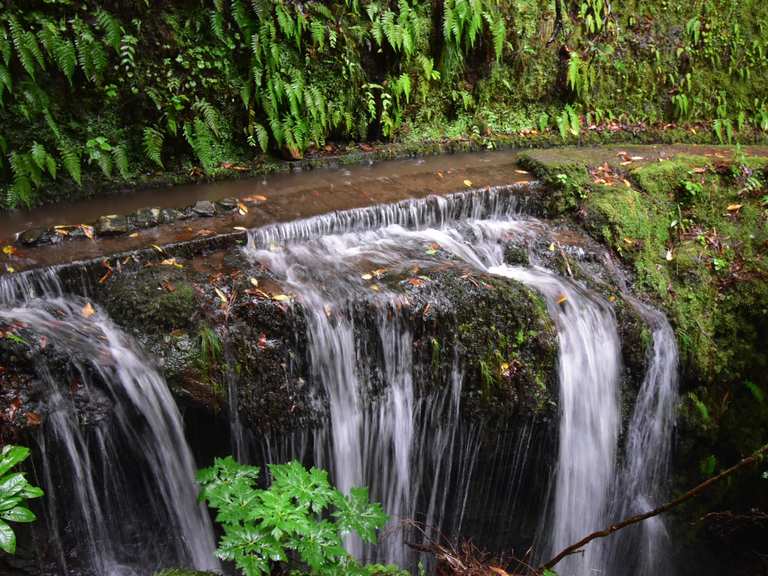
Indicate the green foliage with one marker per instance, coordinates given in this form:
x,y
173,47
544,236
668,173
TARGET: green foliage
x,y
15,490
167,84
153,145
298,522
210,351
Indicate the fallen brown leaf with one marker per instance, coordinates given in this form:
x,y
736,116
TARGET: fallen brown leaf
x,y
88,310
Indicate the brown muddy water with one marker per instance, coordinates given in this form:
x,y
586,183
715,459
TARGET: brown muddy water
x,y
279,198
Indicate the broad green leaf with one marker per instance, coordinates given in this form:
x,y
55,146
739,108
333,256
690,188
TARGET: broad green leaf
x,y
18,514
11,456
12,484
7,538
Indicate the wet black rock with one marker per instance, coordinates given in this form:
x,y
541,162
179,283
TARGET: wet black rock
x,y
227,204
147,217
204,208
112,225
169,215
35,237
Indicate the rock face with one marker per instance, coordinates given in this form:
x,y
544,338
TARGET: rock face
x,y
176,312
263,340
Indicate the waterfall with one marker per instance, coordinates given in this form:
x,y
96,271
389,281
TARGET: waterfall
x,y
641,480
122,486
589,365
324,265
125,484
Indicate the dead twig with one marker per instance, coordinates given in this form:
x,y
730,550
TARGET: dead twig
x,y
695,491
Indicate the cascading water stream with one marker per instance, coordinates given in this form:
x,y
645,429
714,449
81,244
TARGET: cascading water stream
x,y
113,509
641,480
589,364
414,451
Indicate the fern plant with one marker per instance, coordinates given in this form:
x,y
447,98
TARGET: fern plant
x,y
153,145
298,522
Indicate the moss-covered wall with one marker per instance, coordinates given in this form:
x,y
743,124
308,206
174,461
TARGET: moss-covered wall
x,y
694,230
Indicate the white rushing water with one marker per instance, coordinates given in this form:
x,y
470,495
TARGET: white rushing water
x,y
108,503
643,477
588,369
414,452
324,271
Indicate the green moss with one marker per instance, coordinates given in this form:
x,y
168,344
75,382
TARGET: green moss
x,y
174,309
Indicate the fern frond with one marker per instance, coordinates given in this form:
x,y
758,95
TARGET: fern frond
x,y
70,159
217,25
111,28
322,10
19,43
5,45
99,59
105,164
6,79
199,138
120,156
33,47
262,135
499,32
574,72
65,56
39,155
317,31
240,15
153,145
209,113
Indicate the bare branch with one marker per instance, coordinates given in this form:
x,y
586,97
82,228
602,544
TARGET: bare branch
x,y
573,548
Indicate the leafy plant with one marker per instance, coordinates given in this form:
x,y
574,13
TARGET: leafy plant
x,y
299,518
15,490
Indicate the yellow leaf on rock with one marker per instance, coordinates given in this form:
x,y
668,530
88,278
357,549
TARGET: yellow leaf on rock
x,y
734,207
242,209
156,247
171,262
562,299
467,183
253,281
281,297
88,310
9,250
221,295
87,230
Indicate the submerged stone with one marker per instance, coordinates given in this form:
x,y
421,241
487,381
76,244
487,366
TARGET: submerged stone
x,y
227,204
112,225
35,237
147,217
169,215
204,208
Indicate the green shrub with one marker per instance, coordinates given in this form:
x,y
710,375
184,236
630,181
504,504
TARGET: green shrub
x,y
15,490
298,523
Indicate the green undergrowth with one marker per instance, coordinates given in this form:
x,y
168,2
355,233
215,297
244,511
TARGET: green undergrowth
x,y
109,94
694,231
